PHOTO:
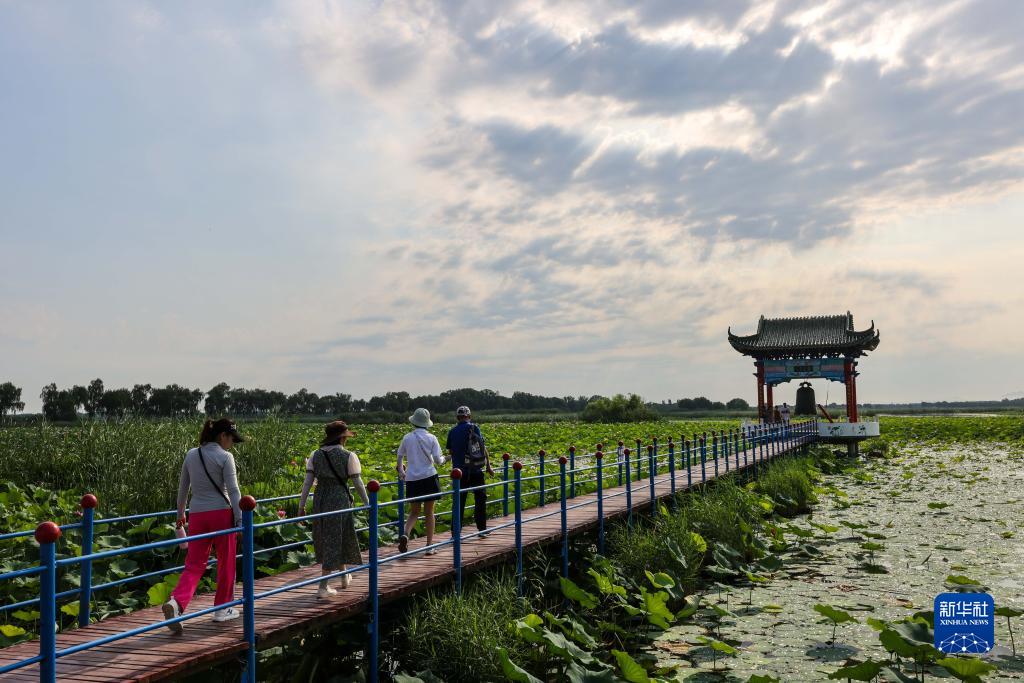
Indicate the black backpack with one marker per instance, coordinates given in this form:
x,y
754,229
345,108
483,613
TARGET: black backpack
x,y
475,454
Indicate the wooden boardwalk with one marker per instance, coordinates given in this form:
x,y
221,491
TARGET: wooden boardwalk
x,y
159,654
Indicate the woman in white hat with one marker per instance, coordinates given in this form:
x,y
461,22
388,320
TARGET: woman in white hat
x,y
421,452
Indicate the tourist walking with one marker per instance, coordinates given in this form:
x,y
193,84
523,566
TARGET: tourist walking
x,y
784,412
421,451
332,467
209,473
469,454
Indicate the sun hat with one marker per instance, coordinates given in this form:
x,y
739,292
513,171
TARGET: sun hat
x,y
421,418
334,431
462,411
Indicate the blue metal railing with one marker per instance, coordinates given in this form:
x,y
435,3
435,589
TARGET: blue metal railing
x,y
761,442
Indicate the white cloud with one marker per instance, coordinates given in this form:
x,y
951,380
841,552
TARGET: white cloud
x,y
554,196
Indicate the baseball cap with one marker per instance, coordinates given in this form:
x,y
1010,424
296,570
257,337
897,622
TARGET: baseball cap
x,y
224,425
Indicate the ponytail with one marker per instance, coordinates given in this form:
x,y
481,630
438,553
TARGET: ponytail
x,y
206,435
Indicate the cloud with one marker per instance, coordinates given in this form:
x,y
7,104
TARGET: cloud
x,y
531,190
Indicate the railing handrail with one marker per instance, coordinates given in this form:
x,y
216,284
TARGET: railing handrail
x,y
759,441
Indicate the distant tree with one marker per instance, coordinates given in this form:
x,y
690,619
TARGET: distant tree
x,y
619,408
60,404
699,403
140,400
175,401
80,395
116,403
93,396
337,405
217,400
737,404
302,402
395,401
10,399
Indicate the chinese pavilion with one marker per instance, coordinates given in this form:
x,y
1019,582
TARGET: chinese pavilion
x,y
825,346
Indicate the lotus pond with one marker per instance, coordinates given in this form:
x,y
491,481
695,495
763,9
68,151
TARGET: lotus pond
x,y
884,539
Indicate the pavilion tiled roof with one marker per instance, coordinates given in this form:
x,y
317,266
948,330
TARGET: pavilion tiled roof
x,y
814,336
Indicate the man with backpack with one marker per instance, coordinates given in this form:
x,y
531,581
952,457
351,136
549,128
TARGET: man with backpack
x,y
466,445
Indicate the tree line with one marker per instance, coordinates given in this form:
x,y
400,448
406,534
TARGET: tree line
x,y
95,400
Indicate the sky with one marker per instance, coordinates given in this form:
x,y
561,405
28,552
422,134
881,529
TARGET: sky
x,y
565,198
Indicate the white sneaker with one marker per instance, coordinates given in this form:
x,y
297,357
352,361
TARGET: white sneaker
x,y
325,592
345,581
226,614
171,610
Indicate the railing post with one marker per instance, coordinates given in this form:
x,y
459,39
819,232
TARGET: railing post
x,y
543,493
736,445
725,448
518,468
457,527
639,445
504,485
657,467
401,507
562,460
572,471
47,535
650,476
247,504
689,463
714,450
745,431
373,487
703,457
88,504
629,489
619,459
672,468
599,456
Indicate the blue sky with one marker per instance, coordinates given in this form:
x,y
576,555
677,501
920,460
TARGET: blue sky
x,y
562,198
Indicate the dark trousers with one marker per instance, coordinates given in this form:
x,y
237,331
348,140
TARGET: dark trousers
x,y
474,477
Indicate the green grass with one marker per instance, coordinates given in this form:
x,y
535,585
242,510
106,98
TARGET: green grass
x,y
456,637
665,543
725,513
790,485
133,466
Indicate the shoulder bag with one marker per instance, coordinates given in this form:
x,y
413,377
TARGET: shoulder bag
x,y
327,458
220,488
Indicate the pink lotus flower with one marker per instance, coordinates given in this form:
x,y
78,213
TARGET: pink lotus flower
x,y
281,514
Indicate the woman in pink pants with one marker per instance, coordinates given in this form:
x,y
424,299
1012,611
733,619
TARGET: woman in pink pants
x,y
209,472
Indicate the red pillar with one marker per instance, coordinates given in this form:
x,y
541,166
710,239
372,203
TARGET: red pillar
x,y
771,404
853,390
849,378
760,390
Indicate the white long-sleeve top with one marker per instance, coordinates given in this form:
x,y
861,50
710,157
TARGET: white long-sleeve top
x,y
421,451
207,495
